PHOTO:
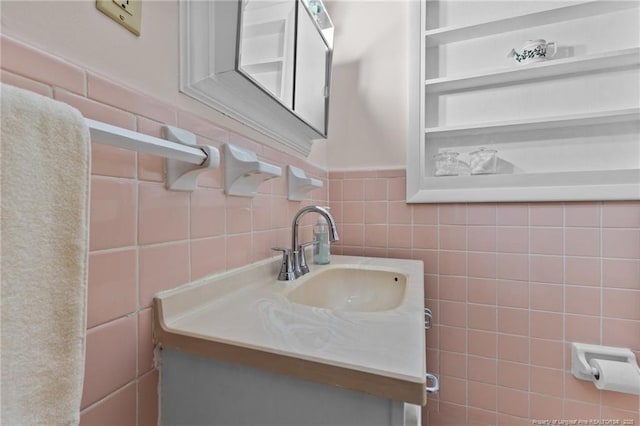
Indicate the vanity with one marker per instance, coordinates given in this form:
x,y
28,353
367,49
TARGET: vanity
x,y
344,344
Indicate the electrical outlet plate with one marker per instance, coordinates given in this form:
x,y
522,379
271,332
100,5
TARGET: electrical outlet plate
x,y
127,13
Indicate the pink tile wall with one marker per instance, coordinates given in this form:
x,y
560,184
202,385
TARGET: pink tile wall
x,y
144,239
510,285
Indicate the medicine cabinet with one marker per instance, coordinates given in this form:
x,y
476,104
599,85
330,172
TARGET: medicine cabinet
x,y
266,63
564,128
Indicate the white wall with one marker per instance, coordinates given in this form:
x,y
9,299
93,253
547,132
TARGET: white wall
x,y
368,111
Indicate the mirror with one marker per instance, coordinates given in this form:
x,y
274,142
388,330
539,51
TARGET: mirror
x,y
313,65
271,32
266,63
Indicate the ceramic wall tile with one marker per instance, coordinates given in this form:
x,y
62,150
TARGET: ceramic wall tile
x,y
110,359
118,408
546,214
113,212
107,92
113,290
27,61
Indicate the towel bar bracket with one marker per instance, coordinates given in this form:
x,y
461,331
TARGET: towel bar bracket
x,y
183,176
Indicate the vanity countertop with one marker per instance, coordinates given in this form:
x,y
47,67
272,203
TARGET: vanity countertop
x,y
243,316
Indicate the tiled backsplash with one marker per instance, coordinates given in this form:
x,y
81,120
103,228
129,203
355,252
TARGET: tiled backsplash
x,y
509,284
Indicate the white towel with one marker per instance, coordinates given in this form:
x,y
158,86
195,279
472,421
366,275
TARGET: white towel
x,y
45,168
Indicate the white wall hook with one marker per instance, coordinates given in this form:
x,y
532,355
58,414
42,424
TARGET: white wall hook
x,y
243,172
299,184
181,176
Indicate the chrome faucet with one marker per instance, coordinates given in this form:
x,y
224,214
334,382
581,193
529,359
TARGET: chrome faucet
x,y
294,262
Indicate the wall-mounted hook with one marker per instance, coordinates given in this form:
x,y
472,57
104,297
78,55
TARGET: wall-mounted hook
x,y
243,172
299,184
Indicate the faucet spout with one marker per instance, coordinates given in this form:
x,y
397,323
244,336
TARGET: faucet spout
x,y
333,229
300,267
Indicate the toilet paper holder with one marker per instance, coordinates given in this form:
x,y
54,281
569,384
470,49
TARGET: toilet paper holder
x,y
582,354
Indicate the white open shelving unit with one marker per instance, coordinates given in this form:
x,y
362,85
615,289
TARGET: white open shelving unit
x,y
560,131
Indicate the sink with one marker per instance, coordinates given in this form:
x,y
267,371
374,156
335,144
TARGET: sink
x,y
351,289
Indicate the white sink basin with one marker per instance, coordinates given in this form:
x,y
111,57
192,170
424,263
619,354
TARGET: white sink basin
x,y
352,289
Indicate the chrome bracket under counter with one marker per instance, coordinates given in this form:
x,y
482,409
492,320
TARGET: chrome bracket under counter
x,y
428,323
436,383
428,319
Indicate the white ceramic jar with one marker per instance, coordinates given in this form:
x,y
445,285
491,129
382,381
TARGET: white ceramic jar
x,y
483,161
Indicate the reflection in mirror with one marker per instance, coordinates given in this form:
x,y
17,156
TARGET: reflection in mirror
x,y
267,40
312,71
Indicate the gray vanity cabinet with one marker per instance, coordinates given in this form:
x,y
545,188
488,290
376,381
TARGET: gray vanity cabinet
x,y
204,391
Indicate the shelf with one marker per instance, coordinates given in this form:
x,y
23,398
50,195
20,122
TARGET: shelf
x,y
550,68
608,117
264,28
550,16
244,173
272,60
267,65
559,186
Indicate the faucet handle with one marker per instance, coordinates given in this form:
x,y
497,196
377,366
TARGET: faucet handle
x,y
282,249
304,245
286,269
302,257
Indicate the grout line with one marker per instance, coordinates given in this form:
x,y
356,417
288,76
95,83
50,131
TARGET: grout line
x,y
137,376
136,241
189,239
564,296
111,320
601,339
109,395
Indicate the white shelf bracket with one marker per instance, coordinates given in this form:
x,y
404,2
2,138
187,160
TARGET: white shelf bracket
x,y
243,172
299,184
181,176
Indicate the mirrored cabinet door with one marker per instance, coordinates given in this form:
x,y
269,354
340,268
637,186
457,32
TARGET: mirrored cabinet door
x,y
312,72
267,40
